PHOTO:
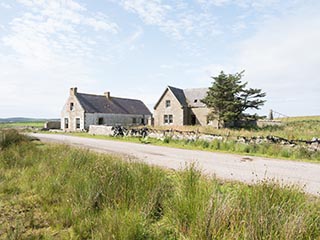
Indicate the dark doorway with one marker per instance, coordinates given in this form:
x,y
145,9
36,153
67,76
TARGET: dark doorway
x,y
193,120
100,121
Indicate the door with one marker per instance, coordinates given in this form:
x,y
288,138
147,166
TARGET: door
x,y
193,119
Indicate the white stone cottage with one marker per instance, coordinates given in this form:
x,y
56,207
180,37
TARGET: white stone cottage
x,y
178,107
82,110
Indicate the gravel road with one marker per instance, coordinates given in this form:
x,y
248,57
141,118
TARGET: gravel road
x,y
225,166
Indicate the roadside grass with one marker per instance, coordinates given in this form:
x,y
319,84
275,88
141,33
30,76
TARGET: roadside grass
x,y
269,150
59,192
299,128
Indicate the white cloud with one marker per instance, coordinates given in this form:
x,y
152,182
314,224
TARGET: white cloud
x,y
101,23
283,59
258,4
178,20
5,5
45,51
52,28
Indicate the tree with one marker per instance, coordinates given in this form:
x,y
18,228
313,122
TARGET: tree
x,y
229,99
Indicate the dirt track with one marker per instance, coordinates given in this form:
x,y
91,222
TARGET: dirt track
x,y
225,166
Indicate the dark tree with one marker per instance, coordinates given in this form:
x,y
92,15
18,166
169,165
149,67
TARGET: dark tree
x,y
228,99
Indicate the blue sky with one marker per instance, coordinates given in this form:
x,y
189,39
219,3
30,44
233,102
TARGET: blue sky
x,y
135,48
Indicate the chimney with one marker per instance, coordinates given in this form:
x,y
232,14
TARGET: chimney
x,y
107,94
73,91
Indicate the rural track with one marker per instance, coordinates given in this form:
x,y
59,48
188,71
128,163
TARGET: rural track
x,y
246,169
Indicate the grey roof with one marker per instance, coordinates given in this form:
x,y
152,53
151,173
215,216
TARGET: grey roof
x,y
195,95
179,94
101,104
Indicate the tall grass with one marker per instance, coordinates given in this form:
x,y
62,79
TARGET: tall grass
x,y
263,149
302,128
58,192
10,136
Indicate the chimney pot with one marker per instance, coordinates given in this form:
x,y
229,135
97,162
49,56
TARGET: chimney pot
x,y
73,91
107,94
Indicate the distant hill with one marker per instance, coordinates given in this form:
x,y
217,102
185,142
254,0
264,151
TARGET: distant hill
x,y
22,119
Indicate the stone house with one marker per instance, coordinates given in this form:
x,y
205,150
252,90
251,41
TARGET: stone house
x,y
82,110
178,107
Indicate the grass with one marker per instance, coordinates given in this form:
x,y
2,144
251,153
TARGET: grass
x,y
58,192
303,128
22,125
299,153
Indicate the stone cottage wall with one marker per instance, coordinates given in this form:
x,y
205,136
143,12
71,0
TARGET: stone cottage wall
x,y
71,115
175,109
115,119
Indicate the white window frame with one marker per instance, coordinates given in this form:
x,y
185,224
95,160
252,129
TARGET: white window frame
x,y
78,124
66,123
168,119
168,103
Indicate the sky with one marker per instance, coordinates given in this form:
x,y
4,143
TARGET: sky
x,y
135,48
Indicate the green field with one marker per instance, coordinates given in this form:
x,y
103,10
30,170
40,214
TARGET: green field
x,y
59,192
304,128
22,125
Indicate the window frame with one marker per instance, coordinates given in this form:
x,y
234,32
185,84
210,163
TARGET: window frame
x,y
168,103
66,123
168,118
78,123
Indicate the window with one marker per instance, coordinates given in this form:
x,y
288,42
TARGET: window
x,y
66,123
168,103
167,119
100,121
71,106
77,123
134,120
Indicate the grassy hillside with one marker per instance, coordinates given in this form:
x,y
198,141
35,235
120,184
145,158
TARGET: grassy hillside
x,y
58,192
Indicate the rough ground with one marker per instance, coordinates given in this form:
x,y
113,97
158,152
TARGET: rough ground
x,y
225,166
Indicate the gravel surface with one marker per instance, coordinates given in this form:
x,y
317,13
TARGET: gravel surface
x,y
246,169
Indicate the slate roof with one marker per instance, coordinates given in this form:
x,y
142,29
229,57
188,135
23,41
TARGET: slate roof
x,y
179,94
101,104
190,97
195,95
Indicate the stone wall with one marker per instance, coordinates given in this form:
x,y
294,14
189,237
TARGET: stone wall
x,y
175,109
201,114
100,130
72,113
52,125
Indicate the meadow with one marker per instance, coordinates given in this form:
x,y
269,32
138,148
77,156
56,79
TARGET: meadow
x,y
59,192
292,128
22,125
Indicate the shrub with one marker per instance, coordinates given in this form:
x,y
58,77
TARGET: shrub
x,y
10,137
